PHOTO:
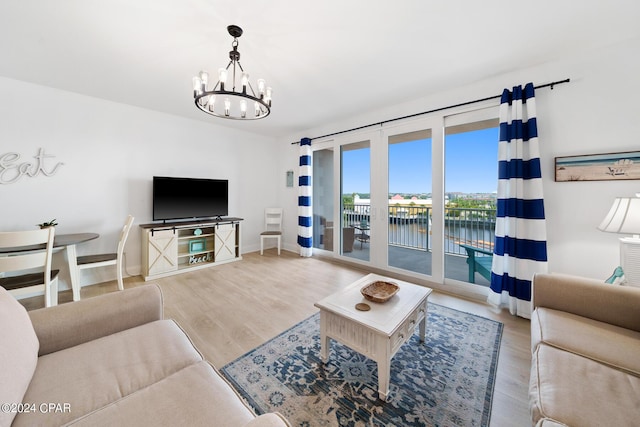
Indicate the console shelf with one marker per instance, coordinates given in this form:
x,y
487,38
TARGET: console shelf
x,y
178,247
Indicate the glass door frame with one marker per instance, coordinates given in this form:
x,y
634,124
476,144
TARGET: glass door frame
x,y
319,146
478,114
351,139
315,147
435,125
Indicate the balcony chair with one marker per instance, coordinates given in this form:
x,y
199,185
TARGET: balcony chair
x,y
24,284
348,238
102,260
479,261
362,235
272,227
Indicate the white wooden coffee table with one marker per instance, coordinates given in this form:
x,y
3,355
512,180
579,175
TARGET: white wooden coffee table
x,y
378,333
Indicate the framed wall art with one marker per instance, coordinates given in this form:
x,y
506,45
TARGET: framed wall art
x,y
598,167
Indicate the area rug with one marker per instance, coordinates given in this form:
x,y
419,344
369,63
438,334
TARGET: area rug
x,y
446,381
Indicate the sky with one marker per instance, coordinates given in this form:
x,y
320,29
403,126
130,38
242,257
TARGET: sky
x,y
470,165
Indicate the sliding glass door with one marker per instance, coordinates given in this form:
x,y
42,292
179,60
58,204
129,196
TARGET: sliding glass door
x,y
323,200
416,198
410,202
471,182
355,200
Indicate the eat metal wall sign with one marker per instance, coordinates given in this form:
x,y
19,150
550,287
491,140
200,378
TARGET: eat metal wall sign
x,y
12,169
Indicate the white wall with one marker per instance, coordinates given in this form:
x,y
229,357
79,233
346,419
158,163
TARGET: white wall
x,y
110,153
597,112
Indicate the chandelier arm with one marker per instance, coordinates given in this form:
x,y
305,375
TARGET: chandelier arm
x,y
253,93
241,70
234,75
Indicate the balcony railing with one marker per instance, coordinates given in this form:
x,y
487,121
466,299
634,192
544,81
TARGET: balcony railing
x,y
411,227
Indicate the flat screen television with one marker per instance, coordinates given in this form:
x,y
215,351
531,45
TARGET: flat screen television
x,y
189,198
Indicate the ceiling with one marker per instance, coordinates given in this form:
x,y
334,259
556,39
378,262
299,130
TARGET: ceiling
x,y
325,60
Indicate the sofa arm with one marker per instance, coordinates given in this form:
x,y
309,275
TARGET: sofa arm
x,y
617,305
67,325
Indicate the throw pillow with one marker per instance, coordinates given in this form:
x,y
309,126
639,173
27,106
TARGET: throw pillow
x,y
18,357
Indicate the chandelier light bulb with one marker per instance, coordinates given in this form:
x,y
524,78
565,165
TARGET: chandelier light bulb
x,y
197,86
233,89
261,87
222,76
267,97
204,78
243,108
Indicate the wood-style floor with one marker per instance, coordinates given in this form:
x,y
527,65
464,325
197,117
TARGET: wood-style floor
x,y
230,309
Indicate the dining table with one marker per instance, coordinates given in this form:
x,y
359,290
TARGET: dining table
x,y
66,242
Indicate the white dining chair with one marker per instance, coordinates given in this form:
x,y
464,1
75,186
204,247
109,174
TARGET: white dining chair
x,y
33,251
272,227
101,260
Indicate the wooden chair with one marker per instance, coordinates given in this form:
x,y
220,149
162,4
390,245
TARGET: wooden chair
x,y
34,249
102,260
478,263
272,227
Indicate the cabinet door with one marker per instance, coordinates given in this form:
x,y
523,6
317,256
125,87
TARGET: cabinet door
x,y
163,251
225,242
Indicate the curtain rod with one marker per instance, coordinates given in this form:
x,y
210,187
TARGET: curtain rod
x,y
550,85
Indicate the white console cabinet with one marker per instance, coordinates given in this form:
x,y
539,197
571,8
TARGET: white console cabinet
x,y
178,247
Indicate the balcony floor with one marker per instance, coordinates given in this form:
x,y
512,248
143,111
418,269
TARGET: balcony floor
x,y
455,266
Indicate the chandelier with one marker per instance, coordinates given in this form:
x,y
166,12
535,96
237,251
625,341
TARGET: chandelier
x,y
227,98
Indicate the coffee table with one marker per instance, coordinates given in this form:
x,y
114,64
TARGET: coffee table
x,y
378,333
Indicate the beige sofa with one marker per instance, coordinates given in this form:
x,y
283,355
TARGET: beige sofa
x,y
110,361
585,340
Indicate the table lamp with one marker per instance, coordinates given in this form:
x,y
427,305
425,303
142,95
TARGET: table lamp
x,y
624,218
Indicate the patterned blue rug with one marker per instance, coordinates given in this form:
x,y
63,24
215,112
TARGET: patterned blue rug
x,y
446,381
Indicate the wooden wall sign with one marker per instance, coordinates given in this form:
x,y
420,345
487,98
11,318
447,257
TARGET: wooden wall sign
x,y
12,169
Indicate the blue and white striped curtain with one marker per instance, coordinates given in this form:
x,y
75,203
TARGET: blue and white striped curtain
x,y
305,225
520,248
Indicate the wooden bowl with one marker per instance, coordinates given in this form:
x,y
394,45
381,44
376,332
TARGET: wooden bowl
x,y
379,291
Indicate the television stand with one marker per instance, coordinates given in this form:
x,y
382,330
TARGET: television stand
x,y
178,247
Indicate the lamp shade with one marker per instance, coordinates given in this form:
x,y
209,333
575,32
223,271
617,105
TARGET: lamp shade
x,y
624,216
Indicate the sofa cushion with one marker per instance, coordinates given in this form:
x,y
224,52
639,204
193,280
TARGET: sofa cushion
x,y
602,342
578,391
19,354
194,396
96,373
